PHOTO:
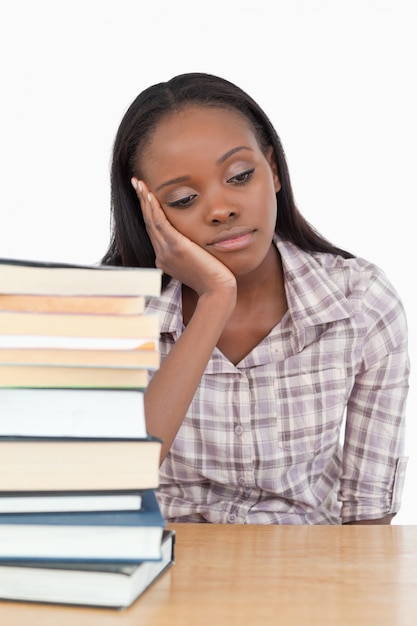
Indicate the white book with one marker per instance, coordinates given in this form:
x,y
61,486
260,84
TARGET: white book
x,y
56,503
111,585
97,413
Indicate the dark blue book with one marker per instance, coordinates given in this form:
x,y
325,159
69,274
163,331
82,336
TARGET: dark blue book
x,y
123,536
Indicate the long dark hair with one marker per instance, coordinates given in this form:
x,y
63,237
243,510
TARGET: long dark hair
x,y
130,244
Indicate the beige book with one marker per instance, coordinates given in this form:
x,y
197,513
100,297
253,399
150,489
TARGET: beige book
x,y
146,356
86,465
72,377
120,305
43,278
78,325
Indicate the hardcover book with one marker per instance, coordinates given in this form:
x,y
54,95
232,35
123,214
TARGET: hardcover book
x,y
111,585
56,501
128,536
97,413
20,276
54,464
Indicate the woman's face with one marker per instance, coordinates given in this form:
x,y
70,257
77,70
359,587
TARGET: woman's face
x,y
214,183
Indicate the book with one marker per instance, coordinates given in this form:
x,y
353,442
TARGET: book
x,y
120,305
23,326
111,585
45,376
73,342
54,502
147,356
97,413
20,276
100,536
54,464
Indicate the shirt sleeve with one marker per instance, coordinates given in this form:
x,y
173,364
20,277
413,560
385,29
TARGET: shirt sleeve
x,y
374,467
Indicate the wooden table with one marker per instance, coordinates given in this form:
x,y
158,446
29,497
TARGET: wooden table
x,y
228,575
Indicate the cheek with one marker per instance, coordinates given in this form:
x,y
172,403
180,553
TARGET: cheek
x,y
273,214
270,207
184,223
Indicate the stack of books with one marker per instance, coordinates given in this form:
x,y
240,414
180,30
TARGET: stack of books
x,y
79,518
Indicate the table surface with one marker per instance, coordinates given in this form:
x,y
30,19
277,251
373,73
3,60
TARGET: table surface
x,y
252,574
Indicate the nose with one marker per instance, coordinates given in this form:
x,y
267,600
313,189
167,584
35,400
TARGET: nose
x,y
220,209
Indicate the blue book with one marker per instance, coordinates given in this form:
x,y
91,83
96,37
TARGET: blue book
x,y
123,536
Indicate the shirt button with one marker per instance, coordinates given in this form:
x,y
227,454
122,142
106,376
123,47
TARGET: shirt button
x,y
231,518
238,430
241,480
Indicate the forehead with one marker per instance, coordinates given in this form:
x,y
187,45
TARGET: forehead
x,y
200,127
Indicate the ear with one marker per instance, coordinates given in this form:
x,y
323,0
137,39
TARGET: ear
x,y
270,157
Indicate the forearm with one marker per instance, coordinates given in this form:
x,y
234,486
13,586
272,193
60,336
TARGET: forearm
x,y
172,387
387,519
374,464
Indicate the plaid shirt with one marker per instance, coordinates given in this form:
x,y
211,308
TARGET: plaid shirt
x,y
309,427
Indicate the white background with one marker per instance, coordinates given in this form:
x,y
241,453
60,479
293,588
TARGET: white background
x,y
337,78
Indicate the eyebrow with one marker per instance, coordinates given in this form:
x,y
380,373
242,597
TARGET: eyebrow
x,y
219,161
230,153
173,181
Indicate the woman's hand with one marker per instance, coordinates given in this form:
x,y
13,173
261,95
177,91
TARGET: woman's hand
x,y
178,256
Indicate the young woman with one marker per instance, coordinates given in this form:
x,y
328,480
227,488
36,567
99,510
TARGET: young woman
x,y
271,337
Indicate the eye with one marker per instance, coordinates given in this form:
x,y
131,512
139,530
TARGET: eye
x,y
182,202
242,178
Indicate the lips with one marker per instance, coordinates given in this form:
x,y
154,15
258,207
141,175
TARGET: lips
x,y
232,239
230,235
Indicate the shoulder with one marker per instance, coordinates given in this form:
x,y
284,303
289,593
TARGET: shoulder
x,y
361,284
353,276
361,279
374,299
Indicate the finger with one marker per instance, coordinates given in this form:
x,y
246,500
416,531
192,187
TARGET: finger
x,y
142,194
137,185
153,216
153,211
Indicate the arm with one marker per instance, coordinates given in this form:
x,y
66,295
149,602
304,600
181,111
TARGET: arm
x,y
373,461
172,387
